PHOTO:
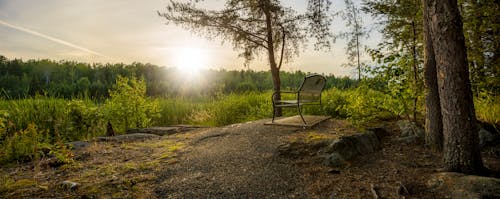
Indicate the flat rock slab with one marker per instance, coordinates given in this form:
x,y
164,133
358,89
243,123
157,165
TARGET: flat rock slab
x,y
311,120
161,131
127,137
465,186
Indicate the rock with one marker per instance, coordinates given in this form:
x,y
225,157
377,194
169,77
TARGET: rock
x,y
408,139
77,145
380,132
161,131
486,137
335,160
410,129
69,185
348,147
293,149
334,152
128,137
465,186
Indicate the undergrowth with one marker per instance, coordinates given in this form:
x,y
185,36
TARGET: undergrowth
x,y
39,126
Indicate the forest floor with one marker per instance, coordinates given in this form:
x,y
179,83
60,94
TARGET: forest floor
x,y
236,161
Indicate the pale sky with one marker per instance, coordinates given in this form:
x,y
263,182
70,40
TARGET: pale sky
x,y
130,30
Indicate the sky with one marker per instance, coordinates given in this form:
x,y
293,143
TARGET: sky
x,y
126,31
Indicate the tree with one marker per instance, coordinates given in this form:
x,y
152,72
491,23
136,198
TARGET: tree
x,y
461,148
433,117
356,31
482,38
400,50
257,26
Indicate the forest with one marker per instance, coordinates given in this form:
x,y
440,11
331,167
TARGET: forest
x,y
46,103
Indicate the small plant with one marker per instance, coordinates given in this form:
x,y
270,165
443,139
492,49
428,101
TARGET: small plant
x,y
128,106
24,145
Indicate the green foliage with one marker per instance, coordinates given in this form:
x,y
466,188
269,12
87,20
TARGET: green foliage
x,y
335,102
3,124
86,120
178,110
488,108
23,145
235,108
364,104
128,106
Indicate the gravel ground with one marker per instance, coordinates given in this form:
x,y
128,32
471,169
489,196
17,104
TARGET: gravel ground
x,y
237,161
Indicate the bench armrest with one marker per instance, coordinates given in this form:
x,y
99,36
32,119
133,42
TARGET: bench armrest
x,y
276,92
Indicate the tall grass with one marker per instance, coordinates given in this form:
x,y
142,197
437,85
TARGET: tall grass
x,y
177,110
488,108
28,126
41,124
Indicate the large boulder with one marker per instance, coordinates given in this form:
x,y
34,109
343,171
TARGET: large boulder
x,y
458,185
348,147
488,134
336,152
410,132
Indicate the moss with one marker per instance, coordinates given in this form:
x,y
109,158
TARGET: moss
x,y
7,184
314,136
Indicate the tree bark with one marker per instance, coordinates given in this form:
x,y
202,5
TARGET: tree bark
x,y
415,70
460,131
275,71
433,118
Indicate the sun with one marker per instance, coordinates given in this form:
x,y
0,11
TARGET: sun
x,y
190,60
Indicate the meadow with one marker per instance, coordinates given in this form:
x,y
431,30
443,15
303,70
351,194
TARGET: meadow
x,y
37,126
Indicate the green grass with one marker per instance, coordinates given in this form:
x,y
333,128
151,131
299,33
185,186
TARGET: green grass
x,y
31,127
488,108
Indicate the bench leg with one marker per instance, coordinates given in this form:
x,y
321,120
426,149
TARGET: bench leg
x,y
274,113
299,109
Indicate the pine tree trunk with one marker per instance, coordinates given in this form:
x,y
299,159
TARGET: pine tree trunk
x,y
272,60
433,118
460,131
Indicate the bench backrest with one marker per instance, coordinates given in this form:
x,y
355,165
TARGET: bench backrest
x,y
311,87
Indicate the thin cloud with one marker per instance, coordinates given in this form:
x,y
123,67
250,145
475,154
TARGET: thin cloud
x,y
51,38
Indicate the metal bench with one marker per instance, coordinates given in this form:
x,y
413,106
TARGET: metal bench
x,y
309,93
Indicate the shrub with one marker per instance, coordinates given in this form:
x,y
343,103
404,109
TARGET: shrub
x,y
128,106
23,145
86,120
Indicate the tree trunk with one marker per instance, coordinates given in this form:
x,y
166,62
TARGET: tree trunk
x,y
415,71
433,118
460,131
357,51
275,71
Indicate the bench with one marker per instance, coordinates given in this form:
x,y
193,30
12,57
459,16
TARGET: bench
x,y
309,93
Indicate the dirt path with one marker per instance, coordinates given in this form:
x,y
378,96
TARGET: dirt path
x,y
234,161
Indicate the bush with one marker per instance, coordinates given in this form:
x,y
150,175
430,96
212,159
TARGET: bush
x,y
23,145
86,120
128,107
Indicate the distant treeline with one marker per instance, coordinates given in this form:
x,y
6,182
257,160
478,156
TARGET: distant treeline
x,y
69,79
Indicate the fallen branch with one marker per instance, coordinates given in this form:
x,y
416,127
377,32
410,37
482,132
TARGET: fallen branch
x,y
374,191
402,190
